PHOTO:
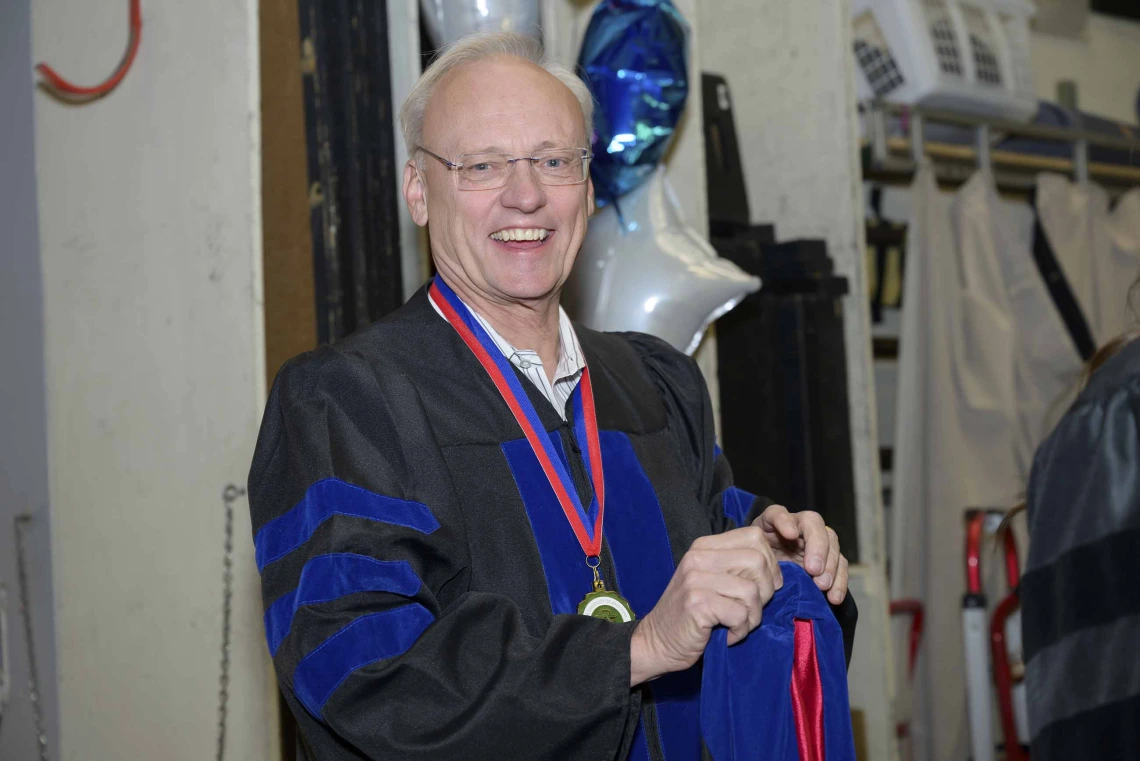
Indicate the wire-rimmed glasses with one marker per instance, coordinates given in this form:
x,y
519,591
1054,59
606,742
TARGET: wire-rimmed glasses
x,y
488,171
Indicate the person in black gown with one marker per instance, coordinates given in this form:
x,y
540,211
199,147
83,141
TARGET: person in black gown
x,y
438,498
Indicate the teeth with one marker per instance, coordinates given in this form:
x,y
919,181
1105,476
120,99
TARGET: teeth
x,y
519,233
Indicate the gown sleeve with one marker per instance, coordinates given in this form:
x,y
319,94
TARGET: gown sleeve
x,y
380,647
690,421
689,413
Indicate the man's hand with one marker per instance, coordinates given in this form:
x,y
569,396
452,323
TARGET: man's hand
x,y
723,580
805,540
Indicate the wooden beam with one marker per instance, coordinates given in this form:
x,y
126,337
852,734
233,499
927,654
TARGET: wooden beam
x,y
290,302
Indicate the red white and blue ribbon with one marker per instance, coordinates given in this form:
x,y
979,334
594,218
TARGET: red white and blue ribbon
x,y
587,524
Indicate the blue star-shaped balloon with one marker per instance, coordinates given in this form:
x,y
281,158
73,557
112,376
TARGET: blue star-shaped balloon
x,y
634,58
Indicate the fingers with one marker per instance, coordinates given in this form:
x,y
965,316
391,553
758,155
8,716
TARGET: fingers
x,y
778,519
753,595
736,605
732,614
817,542
747,576
825,580
742,551
736,539
709,600
751,563
724,580
839,588
808,525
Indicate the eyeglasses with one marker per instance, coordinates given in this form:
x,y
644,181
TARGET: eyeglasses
x,y
487,171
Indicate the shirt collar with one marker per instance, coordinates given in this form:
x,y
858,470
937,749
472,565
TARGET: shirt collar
x,y
571,360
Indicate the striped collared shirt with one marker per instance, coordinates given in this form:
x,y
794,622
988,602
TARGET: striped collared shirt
x,y
571,361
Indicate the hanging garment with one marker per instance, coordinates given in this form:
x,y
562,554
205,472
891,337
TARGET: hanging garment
x,y
1097,248
922,373
781,694
983,355
1047,363
1117,275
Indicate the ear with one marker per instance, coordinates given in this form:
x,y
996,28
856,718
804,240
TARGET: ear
x,y
415,193
589,197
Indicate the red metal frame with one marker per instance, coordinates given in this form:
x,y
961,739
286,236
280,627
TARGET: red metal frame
x,y
1012,564
975,527
914,609
1003,679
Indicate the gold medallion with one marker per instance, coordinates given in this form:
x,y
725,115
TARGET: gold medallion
x,y
608,606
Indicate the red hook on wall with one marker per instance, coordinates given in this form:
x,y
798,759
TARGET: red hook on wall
x,y
58,83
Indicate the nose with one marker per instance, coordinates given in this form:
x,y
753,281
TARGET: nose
x,y
523,191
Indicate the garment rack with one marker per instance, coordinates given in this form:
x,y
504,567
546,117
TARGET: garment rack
x,y
893,159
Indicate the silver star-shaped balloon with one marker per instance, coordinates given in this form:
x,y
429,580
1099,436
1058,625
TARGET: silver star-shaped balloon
x,y
646,270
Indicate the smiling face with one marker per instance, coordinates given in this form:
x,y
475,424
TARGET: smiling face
x,y
516,243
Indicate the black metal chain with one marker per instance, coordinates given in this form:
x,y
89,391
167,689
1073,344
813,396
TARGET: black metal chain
x,y
21,523
229,495
5,663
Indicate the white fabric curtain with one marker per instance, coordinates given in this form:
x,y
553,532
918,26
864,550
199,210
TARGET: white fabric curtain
x,y
984,360
1098,249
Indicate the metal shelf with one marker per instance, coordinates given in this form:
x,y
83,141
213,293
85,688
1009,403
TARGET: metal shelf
x,y
894,159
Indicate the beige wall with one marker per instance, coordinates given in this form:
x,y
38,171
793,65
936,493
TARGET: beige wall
x,y
1104,62
149,203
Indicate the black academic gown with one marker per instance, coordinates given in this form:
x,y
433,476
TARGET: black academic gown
x,y
419,576
1080,604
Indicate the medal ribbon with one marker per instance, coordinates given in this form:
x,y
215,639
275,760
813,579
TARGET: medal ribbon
x,y
503,376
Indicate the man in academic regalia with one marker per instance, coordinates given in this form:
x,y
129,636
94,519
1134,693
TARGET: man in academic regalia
x,y
484,532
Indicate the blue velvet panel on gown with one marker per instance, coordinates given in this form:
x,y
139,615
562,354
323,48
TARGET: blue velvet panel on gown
x,y
746,705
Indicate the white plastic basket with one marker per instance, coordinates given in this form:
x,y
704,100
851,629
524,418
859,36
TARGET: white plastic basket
x,y
949,55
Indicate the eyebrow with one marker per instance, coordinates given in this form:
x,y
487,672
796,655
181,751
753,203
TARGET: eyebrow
x,y
496,149
485,149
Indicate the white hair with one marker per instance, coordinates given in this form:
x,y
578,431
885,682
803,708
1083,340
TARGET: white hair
x,y
480,47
